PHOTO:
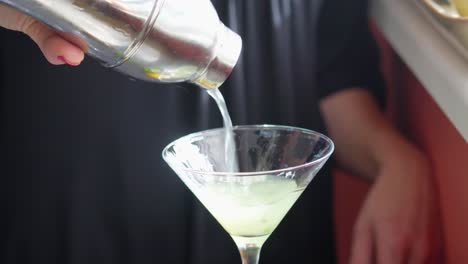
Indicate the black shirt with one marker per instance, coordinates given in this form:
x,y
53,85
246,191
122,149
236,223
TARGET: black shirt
x,y
83,180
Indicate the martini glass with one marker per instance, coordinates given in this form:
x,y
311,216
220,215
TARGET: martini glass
x,y
275,165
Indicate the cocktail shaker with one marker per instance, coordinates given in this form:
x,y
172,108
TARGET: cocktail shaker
x,y
166,41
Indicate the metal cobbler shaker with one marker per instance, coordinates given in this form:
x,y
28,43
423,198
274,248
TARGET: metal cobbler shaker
x,y
165,41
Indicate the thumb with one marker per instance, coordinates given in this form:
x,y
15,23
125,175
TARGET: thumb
x,y
56,49
362,247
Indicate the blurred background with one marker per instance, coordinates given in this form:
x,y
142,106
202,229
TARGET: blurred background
x,y
419,52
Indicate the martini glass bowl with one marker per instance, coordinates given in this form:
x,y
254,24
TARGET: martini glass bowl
x,y
273,166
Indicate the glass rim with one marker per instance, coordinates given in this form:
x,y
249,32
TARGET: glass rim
x,y
253,173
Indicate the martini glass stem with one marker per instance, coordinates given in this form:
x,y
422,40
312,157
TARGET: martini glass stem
x,y
250,254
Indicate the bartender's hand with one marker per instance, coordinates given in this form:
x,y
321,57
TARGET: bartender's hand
x,y
56,49
398,223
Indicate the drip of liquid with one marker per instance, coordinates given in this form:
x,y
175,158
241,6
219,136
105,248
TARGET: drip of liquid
x,y
229,144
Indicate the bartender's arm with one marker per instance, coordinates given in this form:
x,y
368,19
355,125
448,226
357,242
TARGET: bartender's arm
x,y
398,222
57,50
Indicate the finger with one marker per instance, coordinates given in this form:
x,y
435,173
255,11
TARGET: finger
x,y
421,246
55,48
420,249
435,228
423,252
391,245
435,254
361,252
428,245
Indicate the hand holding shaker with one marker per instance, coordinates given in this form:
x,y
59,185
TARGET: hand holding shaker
x,y
168,41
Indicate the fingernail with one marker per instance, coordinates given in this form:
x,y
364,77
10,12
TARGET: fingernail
x,y
64,60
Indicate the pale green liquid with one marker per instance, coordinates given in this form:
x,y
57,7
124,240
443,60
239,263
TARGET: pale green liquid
x,y
250,207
